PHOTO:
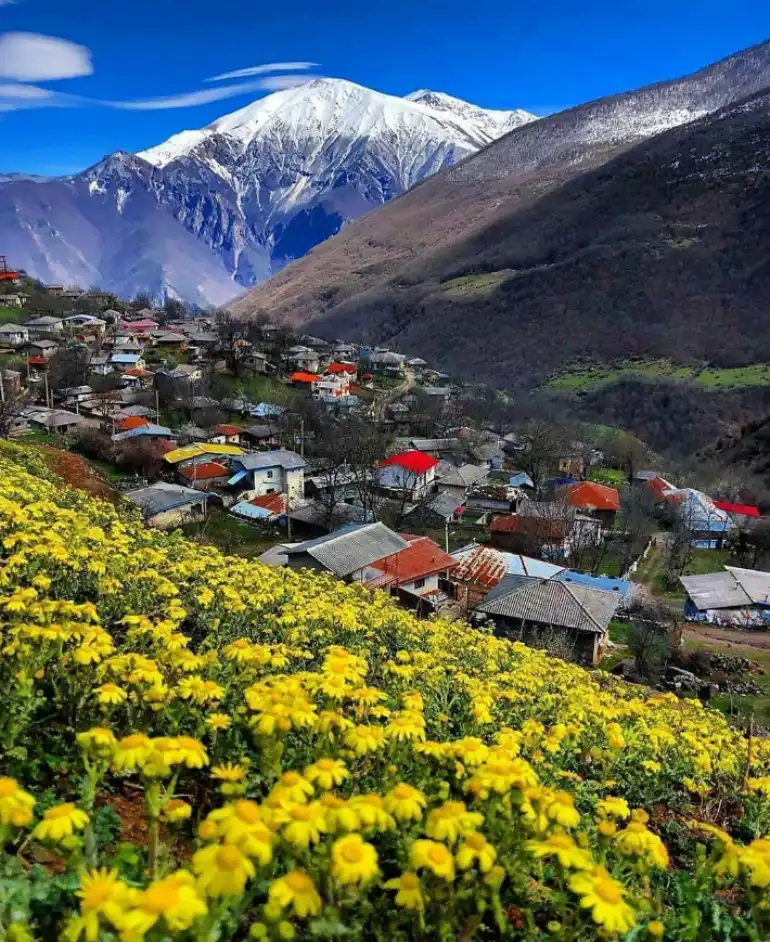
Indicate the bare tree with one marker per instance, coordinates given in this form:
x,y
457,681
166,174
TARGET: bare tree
x,y
68,367
545,444
652,638
12,405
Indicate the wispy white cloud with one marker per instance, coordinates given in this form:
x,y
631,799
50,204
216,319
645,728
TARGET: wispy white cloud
x,y
32,57
262,70
205,95
15,96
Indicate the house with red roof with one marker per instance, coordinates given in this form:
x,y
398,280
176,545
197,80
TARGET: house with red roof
x,y
303,380
343,369
226,435
416,575
596,500
410,471
129,422
203,475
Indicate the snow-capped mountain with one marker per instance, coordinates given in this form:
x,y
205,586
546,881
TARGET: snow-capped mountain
x,y
213,210
492,123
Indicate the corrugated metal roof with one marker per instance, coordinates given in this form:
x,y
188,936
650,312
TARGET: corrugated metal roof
x,y
715,590
280,458
208,448
144,431
549,602
444,505
605,583
183,454
345,553
162,496
420,559
754,583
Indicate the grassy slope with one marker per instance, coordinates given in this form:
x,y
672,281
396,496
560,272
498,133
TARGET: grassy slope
x,y
596,377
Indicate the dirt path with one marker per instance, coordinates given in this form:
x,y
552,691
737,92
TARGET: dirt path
x,y
735,640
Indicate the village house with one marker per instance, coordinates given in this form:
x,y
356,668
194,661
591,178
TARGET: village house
x,y
46,326
146,431
596,500
268,472
262,434
570,620
257,362
330,388
226,435
189,372
302,380
347,554
343,369
438,447
479,568
267,509
303,359
416,576
124,361
165,505
458,481
410,472
531,536
735,598
86,324
488,456
13,335
58,421
435,512
203,475
42,348
14,300
100,365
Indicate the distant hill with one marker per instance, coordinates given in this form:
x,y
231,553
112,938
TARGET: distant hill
x,y
568,241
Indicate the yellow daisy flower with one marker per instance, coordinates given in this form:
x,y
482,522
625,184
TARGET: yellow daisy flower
x,y
408,891
60,821
327,773
405,803
297,890
603,895
222,870
435,857
353,860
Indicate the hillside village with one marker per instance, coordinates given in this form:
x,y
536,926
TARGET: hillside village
x,y
381,470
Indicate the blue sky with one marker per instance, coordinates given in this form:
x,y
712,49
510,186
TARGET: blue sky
x,y
59,103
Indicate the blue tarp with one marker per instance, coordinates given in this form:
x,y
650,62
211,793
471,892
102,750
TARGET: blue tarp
x,y
520,480
265,410
237,477
605,583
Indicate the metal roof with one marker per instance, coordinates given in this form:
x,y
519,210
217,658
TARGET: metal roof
x,y
754,583
464,476
444,505
144,431
161,496
715,590
281,457
346,552
548,602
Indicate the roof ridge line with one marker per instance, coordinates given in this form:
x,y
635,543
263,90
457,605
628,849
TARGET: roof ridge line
x,y
577,601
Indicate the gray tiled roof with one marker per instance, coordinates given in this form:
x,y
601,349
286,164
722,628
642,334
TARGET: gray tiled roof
x,y
754,583
349,550
548,602
733,588
443,504
281,457
464,476
162,496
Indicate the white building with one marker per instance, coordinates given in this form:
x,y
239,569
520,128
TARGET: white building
x,y
331,387
410,471
13,335
270,472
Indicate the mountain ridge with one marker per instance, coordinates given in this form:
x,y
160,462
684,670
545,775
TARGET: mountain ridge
x,y
385,263
240,198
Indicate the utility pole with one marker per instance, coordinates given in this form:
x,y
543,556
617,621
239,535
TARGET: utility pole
x,y
45,380
446,535
157,406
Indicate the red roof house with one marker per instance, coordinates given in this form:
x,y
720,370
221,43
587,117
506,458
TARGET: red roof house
x,y
411,471
205,473
658,487
303,379
415,461
339,368
588,495
415,569
129,422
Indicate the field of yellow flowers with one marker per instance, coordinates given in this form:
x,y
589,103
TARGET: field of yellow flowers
x,y
307,760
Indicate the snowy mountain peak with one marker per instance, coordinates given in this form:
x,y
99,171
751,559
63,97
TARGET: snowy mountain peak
x,y
494,122
330,108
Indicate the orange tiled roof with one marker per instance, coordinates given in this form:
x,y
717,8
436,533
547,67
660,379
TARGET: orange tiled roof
x,y
422,558
302,377
203,471
228,429
131,421
593,496
274,503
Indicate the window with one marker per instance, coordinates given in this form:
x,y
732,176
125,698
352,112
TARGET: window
x,y
419,583
269,475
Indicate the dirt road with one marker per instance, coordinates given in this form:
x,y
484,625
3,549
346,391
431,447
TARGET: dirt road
x,y
724,638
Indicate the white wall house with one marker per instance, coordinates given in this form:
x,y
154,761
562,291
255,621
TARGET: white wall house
x,y
13,335
410,471
331,387
270,472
